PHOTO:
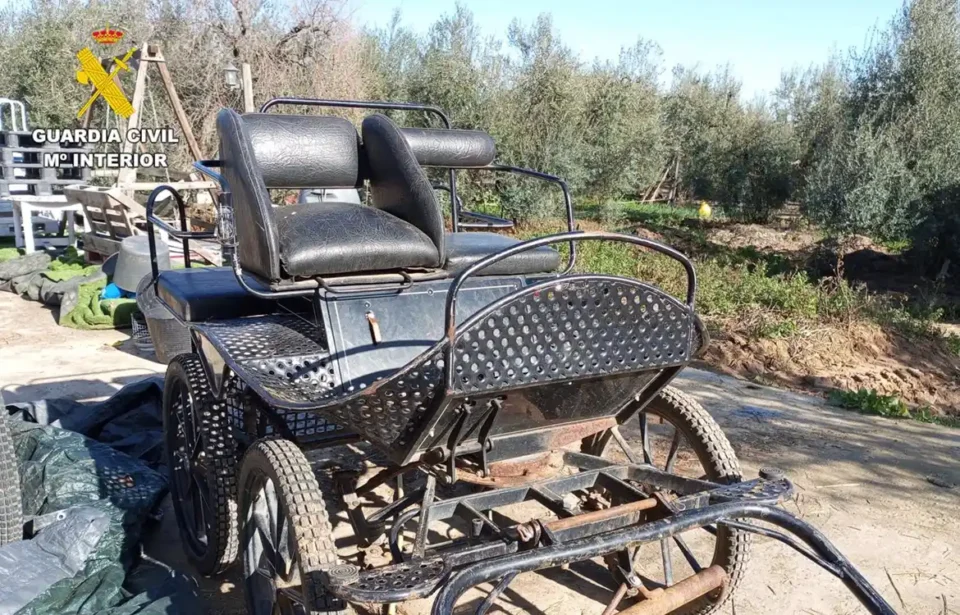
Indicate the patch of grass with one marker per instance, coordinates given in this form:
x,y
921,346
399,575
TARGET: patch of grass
x,y
726,289
868,401
925,414
780,329
953,343
895,246
612,214
906,320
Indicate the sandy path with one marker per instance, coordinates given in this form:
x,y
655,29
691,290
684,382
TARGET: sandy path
x,y
862,480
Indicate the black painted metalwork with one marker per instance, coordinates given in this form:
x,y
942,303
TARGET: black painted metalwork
x,y
485,221
183,233
597,546
553,179
538,365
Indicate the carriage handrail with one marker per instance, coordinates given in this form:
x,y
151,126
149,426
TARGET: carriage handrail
x,y
451,307
206,167
183,233
355,104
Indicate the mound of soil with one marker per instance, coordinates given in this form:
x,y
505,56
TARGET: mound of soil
x,y
763,238
921,372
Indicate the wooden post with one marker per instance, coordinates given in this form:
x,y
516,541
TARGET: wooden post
x,y
150,53
174,99
246,80
177,107
129,176
663,178
676,177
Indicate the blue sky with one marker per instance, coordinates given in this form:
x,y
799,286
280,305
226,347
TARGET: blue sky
x,y
758,38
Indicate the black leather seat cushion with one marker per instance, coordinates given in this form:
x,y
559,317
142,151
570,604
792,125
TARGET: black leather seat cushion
x,y
340,238
464,249
206,293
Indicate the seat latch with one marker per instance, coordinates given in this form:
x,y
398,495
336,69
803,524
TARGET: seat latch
x,y
374,327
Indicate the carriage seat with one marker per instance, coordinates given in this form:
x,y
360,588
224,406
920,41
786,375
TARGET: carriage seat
x,y
401,229
200,294
338,238
260,152
397,157
465,249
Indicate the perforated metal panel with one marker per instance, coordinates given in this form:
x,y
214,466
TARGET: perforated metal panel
x,y
392,413
572,330
306,426
285,355
403,576
267,336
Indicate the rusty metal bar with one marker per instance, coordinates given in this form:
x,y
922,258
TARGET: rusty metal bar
x,y
558,525
615,602
667,600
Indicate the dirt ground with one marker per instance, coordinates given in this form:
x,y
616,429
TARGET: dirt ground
x,y
860,355
919,370
887,493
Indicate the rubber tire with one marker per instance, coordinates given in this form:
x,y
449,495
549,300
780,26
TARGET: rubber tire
x,y
718,458
11,506
219,448
296,485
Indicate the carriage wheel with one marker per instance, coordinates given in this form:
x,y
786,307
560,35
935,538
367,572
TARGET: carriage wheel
x,y
678,436
201,457
11,511
285,533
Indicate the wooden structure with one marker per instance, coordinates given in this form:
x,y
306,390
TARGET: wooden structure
x,y
151,55
110,214
667,185
113,212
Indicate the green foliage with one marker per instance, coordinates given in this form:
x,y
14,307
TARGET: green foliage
x,y
740,156
621,151
924,414
888,166
953,343
868,401
612,214
779,329
782,302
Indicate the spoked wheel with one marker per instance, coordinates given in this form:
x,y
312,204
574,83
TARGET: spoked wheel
x,y
675,434
285,533
201,457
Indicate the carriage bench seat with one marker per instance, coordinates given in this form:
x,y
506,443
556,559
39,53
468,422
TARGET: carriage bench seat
x,y
319,239
464,249
209,293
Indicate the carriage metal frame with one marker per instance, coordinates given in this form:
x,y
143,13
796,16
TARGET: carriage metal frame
x,y
453,434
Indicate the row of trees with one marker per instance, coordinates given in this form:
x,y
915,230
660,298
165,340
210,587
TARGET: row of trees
x,y
865,142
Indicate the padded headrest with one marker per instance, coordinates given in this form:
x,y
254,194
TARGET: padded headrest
x,y
304,151
450,148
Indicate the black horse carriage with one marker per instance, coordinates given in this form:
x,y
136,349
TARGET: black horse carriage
x,y
481,377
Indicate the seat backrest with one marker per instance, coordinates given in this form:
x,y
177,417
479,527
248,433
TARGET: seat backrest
x,y
398,184
446,147
263,151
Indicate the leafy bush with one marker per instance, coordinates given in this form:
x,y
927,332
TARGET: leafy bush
x,y
889,168
866,142
612,214
868,401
